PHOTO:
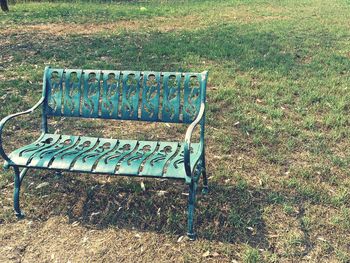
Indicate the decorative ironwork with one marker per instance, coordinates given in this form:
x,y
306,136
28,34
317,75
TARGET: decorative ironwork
x,y
91,93
66,158
88,160
54,88
72,93
22,155
36,146
171,97
111,94
76,150
127,85
109,162
191,97
161,155
118,153
131,90
180,159
56,148
132,164
150,96
156,163
139,154
97,152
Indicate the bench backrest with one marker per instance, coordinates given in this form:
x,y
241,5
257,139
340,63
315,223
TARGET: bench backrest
x,y
126,95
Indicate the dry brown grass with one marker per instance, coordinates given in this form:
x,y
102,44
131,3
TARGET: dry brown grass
x,y
58,240
278,171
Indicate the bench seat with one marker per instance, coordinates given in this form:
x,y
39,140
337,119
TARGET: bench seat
x,y
106,156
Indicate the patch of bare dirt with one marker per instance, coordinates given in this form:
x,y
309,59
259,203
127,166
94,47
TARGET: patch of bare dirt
x,y
57,240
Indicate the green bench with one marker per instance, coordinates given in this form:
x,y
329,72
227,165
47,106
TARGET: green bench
x,y
172,97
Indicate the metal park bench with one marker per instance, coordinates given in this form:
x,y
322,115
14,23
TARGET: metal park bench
x,y
122,95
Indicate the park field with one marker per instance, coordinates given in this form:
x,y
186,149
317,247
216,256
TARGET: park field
x,y
277,132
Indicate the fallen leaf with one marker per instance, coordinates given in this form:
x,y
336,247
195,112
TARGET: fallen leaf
x,y
180,239
206,254
42,185
161,193
143,187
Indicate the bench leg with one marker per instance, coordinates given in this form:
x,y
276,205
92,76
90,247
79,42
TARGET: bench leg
x,y
17,187
191,207
205,189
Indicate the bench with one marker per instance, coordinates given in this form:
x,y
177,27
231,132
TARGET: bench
x,y
171,97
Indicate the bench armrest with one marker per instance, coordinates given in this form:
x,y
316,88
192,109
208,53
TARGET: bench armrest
x,y
6,119
187,145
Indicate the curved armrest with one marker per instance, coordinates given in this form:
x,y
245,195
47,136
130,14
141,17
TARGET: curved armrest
x,y
187,145
6,119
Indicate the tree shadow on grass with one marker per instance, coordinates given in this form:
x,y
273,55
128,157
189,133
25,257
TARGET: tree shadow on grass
x,y
227,214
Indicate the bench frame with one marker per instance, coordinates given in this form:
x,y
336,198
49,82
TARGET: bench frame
x,y
193,175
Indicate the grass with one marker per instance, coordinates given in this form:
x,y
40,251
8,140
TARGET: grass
x,y
277,124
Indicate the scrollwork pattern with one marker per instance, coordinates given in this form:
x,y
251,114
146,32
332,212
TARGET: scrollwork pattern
x,y
73,93
111,95
37,146
100,149
76,150
150,99
55,91
56,148
130,96
139,154
171,100
181,158
121,150
92,92
161,155
192,97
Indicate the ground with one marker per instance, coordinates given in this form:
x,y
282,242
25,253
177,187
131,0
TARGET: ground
x,y
277,132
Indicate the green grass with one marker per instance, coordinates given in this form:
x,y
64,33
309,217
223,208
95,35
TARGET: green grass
x,y
277,122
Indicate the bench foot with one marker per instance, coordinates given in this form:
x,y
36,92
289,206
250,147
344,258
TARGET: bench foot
x,y
205,190
192,236
19,215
